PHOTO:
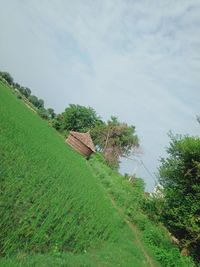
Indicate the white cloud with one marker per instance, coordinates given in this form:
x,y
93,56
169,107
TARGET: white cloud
x,y
138,60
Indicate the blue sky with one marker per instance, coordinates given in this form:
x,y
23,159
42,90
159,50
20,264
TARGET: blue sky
x,y
138,60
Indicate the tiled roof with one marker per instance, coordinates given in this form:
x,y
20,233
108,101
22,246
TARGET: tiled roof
x,y
85,138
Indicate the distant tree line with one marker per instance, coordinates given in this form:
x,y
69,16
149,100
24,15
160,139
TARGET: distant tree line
x,y
47,114
114,139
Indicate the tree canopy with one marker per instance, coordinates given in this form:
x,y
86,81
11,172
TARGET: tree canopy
x,y
77,118
179,174
25,91
115,139
7,77
51,112
38,103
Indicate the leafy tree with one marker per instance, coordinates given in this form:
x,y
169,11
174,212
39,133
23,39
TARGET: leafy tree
x,y
51,113
7,77
179,174
17,85
25,91
57,122
154,204
33,99
43,113
115,140
77,118
38,103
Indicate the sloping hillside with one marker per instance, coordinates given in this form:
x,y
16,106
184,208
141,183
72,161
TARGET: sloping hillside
x,y
129,199
51,202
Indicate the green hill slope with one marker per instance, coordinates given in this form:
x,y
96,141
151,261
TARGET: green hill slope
x,y
46,187
129,198
54,212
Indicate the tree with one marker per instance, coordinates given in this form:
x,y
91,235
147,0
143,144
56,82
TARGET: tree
x,y
51,113
77,118
25,91
57,122
38,103
43,113
17,85
33,99
179,174
115,140
7,77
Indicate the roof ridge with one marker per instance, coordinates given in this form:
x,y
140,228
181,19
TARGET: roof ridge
x,y
84,138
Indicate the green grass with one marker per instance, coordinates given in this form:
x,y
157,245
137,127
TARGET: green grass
x,y
46,188
54,211
128,198
123,252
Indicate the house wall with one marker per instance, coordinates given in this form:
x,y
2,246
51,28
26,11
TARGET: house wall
x,y
78,146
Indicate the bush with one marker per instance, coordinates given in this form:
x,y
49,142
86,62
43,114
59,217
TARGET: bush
x,y
179,175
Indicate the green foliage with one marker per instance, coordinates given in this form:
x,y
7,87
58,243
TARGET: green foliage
x,y
54,211
51,202
180,177
48,195
7,77
24,90
154,204
24,93
43,113
115,139
51,112
38,103
47,114
77,118
121,253
129,197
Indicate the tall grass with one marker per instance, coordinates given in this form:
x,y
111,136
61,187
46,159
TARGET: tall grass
x,y
129,197
53,210
49,197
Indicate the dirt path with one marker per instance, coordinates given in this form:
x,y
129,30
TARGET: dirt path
x,y
149,259
134,229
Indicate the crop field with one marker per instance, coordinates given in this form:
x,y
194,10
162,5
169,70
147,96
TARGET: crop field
x,y
53,209
46,188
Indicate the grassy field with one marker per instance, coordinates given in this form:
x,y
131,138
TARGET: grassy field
x,y
128,198
54,211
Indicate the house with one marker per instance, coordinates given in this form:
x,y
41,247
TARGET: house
x,y
81,142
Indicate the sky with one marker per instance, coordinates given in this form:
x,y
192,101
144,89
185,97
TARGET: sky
x,y
138,60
